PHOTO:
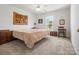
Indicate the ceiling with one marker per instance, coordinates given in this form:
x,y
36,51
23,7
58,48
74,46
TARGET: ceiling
x,y
43,7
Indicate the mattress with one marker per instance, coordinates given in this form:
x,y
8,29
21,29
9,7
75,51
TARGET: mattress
x,y
30,36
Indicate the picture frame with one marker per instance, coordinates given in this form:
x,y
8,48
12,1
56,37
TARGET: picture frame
x,y
40,21
62,22
19,19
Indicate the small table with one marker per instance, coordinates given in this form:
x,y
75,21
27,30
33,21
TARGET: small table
x,y
61,32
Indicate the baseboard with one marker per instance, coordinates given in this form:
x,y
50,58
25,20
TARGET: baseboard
x,y
75,49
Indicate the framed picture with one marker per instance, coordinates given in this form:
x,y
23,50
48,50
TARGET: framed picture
x,y
19,19
40,21
62,22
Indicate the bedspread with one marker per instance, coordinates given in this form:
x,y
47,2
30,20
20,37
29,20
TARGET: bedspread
x,y
30,36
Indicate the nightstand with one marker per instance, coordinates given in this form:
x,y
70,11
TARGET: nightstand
x,y
5,36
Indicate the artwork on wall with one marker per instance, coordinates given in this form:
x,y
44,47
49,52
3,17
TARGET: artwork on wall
x,y
40,21
62,22
19,19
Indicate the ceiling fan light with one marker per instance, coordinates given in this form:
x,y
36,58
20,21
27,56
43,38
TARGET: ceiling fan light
x,y
37,9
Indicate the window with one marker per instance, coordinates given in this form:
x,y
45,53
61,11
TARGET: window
x,y
49,18
49,21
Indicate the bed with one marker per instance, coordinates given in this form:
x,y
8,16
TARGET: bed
x,y
30,36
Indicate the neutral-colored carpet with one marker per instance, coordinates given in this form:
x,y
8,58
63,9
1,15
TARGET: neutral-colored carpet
x,y
50,46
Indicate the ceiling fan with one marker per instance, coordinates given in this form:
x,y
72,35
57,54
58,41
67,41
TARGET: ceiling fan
x,y
41,8
38,8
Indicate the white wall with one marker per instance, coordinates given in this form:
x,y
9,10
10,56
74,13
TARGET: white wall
x,y
58,14
6,17
75,26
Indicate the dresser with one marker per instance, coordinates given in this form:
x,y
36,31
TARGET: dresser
x,y
5,36
53,33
